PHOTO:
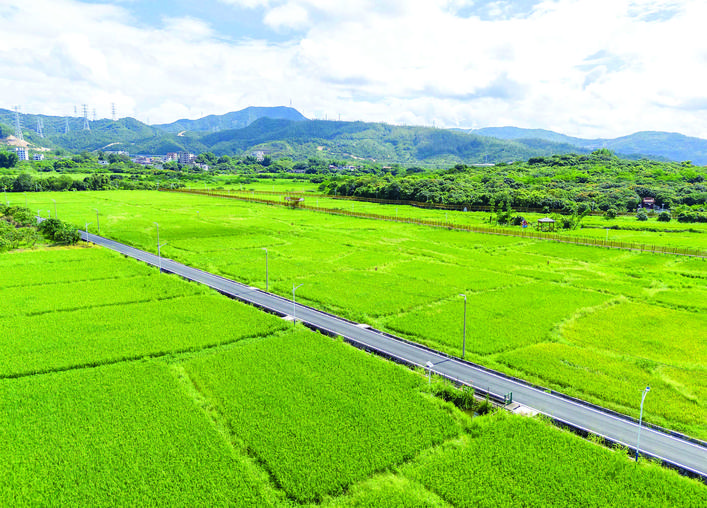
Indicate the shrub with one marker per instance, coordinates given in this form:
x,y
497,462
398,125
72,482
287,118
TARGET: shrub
x,y
49,226
664,217
67,234
642,215
56,230
462,397
610,213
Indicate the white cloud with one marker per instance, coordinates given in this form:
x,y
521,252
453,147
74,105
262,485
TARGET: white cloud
x,y
289,15
248,4
582,67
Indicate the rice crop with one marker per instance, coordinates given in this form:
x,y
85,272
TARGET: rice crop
x,y
120,435
603,376
497,320
510,460
405,278
99,335
318,414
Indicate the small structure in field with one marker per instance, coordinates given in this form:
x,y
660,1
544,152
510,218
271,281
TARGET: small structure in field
x,y
293,201
648,203
546,224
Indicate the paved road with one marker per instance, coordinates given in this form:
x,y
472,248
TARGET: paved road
x,y
675,450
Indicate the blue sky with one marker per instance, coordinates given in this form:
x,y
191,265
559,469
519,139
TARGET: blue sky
x,y
590,68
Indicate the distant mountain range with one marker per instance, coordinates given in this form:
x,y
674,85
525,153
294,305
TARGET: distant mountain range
x,y
285,132
233,120
664,145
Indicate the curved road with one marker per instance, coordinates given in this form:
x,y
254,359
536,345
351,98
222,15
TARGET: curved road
x,y
691,456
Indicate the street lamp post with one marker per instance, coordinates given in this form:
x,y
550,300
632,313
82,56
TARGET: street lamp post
x,y
98,224
87,231
294,306
267,288
464,336
159,247
429,366
640,420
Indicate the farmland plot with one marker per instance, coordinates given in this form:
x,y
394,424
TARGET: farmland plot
x,y
64,265
319,414
106,334
67,296
119,435
501,320
517,461
413,274
604,376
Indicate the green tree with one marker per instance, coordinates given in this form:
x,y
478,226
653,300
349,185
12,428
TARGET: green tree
x,y
24,182
8,159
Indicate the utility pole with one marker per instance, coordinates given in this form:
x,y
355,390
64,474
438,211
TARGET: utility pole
x,y
464,339
640,420
98,224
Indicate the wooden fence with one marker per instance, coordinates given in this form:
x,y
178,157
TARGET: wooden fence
x,y
522,233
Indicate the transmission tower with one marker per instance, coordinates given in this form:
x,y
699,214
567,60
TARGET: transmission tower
x,y
86,127
18,127
40,127
66,125
94,114
112,107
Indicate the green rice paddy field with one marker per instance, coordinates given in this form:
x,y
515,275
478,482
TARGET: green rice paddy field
x,y
122,386
624,228
595,323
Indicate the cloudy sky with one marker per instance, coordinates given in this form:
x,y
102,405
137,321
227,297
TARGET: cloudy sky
x,y
589,68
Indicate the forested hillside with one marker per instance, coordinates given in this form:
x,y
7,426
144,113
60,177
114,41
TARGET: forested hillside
x,y
297,138
598,181
665,145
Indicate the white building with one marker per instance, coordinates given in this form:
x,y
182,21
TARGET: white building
x,y
186,157
38,157
22,153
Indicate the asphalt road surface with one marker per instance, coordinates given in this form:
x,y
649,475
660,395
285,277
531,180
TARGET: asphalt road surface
x,y
678,451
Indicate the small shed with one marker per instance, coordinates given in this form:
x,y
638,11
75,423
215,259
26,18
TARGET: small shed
x,y
649,203
293,202
546,224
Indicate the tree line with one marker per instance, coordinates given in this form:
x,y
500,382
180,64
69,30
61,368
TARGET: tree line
x,y
597,181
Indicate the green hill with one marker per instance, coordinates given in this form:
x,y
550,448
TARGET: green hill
x,y
662,145
284,132
232,120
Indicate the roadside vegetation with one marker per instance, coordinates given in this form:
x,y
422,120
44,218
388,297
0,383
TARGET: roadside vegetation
x,y
19,228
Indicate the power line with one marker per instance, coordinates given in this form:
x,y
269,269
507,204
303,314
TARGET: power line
x,y
86,127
